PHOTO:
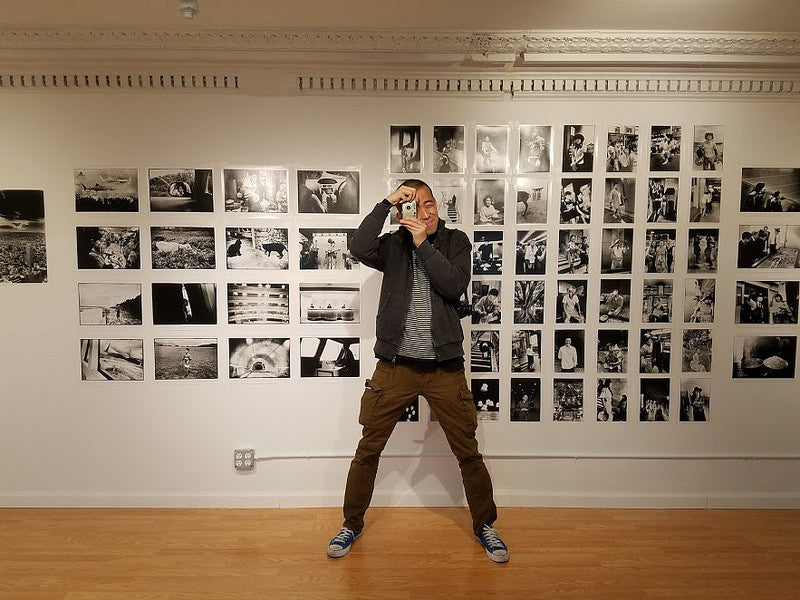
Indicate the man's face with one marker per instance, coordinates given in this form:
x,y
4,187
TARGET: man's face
x,y
427,211
567,342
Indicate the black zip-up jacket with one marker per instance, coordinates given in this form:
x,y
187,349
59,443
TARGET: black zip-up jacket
x,y
447,256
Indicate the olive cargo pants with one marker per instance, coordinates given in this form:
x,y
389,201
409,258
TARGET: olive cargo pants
x,y
390,390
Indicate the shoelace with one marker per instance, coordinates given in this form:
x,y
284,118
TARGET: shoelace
x,y
492,538
342,536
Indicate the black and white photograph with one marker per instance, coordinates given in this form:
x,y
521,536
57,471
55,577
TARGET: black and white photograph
x,y
535,148
258,303
487,253
696,351
532,199
703,250
612,351
659,251
448,149
112,360
486,308
529,302
655,350
106,190
615,301
491,149
258,358
770,190
182,247
110,303
662,200
260,191
578,155
657,301
764,356
181,190
23,246
708,146
622,149
490,201
567,399
705,200
330,303
450,197
766,302
654,402
526,399
328,192
616,251
569,351
665,148
330,357
575,206
257,248
619,200
612,400
484,351
411,413
699,301
573,251
108,247
327,249
526,351
571,301
486,396
405,149
695,400
186,358
531,252
768,247
184,304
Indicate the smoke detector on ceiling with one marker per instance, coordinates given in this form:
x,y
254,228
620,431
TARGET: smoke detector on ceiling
x,y
189,8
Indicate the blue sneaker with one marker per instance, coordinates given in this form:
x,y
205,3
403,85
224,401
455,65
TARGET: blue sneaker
x,y
496,550
342,542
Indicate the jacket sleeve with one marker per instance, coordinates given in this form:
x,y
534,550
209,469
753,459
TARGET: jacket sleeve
x,y
449,278
367,246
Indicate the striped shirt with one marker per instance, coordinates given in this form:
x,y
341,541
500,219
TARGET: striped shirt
x,y
417,335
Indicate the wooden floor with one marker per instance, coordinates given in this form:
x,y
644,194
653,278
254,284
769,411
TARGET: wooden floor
x,y
405,553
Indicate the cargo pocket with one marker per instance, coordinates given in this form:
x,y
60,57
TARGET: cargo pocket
x,y
468,405
369,399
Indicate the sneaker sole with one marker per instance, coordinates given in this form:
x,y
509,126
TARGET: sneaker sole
x,y
344,551
497,559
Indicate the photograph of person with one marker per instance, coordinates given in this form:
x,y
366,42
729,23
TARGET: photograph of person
x,y
698,304
531,252
567,399
450,197
622,148
329,357
766,302
489,201
23,245
532,198
654,400
534,148
770,190
573,251
578,148
484,351
329,303
696,351
486,302
448,149
764,356
526,400
256,190
655,351
491,149
405,153
659,251
110,303
571,301
703,250
185,358
662,200
529,302
569,351
695,400
657,301
612,351
576,201
708,144
612,400
616,250
526,351
768,247
328,192
487,253
107,247
619,200
106,190
615,301
706,194
665,148
181,190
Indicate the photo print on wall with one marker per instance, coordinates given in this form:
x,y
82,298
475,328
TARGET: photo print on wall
x,y
258,303
108,247
185,358
699,301
330,303
328,192
659,251
182,247
450,197
327,249
23,246
696,351
411,413
770,190
529,302
655,351
262,191
615,301
612,351
531,252
184,303
764,356
705,200
622,149
112,360
329,357
258,358
569,346
257,248
405,151
654,404
110,303
532,198
567,400
181,190
768,247
657,301
526,351
486,309
578,155
703,250
766,302
526,399
695,400
484,351
491,149
448,149
709,141
662,200
487,253
486,396
616,255
571,301
620,200
106,190
612,400
573,251
535,148
665,148
576,201
490,201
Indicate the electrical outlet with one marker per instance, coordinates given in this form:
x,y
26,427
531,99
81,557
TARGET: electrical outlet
x,y
244,459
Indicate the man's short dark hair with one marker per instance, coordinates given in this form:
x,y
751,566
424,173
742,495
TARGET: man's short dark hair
x,y
494,292
417,184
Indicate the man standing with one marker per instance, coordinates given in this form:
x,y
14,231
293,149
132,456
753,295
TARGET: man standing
x,y
568,355
426,269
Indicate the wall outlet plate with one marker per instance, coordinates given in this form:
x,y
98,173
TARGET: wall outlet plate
x,y
244,459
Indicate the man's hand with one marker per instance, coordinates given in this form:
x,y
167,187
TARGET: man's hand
x,y
417,229
402,194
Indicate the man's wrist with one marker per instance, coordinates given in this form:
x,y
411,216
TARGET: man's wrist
x,y
386,203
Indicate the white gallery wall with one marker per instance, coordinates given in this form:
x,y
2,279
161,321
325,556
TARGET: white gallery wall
x,y
67,442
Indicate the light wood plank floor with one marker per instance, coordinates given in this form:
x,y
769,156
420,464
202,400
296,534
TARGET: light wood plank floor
x,y
405,553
